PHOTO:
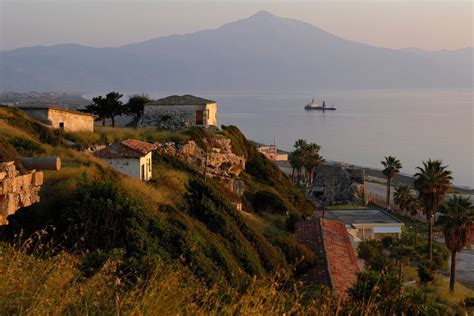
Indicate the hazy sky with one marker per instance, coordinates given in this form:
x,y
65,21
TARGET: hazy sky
x,y
441,24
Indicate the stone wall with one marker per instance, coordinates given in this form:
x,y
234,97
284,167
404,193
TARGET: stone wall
x,y
336,184
17,191
177,116
71,121
222,163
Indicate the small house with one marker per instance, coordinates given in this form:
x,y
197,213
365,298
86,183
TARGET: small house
x,y
131,157
67,120
364,224
176,112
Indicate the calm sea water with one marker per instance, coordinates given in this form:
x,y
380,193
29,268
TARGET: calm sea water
x,y
413,125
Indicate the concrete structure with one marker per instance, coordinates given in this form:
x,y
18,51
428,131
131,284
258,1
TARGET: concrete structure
x,y
131,157
17,191
336,265
68,120
363,224
336,184
273,153
176,112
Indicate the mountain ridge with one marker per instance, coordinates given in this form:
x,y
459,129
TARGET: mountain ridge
x,y
259,52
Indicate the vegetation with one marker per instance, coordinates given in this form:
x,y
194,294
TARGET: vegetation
x,y
433,183
136,106
457,219
305,156
392,167
99,242
108,107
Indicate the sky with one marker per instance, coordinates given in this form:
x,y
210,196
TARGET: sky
x,y
429,25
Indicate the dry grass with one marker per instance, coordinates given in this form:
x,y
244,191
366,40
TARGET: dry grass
x,y
32,285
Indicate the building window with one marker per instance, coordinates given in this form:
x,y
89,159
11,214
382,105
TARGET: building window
x,y
142,175
61,125
149,165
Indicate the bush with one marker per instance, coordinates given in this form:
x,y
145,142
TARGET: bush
x,y
375,259
426,272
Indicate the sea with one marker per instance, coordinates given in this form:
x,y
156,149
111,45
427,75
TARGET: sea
x,y
413,125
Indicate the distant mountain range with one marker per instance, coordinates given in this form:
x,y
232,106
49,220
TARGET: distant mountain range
x,y
262,52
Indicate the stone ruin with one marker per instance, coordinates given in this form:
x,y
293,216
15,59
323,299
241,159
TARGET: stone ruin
x,y
17,191
338,184
222,164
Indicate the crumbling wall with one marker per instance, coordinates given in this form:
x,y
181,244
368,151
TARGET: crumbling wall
x,y
336,184
17,191
222,163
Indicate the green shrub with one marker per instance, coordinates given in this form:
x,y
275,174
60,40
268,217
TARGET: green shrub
x,y
426,272
26,146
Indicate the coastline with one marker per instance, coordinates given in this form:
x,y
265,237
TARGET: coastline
x,y
377,173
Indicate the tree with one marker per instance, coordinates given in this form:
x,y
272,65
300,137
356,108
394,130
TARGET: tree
x,y
296,158
114,106
433,183
392,167
108,107
402,196
311,160
457,217
136,106
97,108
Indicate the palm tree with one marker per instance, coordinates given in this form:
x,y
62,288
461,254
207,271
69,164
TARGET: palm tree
x,y
433,183
391,166
457,217
311,160
300,143
402,197
296,162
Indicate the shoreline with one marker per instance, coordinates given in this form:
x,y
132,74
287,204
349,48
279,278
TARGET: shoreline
x,y
377,173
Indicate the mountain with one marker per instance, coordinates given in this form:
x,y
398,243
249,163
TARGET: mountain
x,y
260,52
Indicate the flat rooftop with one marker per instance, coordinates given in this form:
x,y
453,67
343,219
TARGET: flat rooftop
x,y
362,216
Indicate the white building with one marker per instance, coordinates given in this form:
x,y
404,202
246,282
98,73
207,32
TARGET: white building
x,y
364,224
68,120
131,157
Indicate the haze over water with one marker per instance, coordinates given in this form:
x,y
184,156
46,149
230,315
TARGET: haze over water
x,y
414,125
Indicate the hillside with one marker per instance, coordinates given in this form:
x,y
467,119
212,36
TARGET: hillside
x,y
262,52
92,215
100,242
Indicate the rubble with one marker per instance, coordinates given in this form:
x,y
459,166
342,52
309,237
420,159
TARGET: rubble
x,y
337,184
17,191
222,163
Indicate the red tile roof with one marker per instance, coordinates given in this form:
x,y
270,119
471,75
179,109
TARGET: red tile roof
x,y
129,148
336,265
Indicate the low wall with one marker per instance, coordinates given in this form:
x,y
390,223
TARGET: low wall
x,y
17,191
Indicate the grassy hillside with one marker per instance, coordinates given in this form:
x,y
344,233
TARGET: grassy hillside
x,y
94,213
100,242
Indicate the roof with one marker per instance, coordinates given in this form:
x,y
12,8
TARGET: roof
x,y
186,99
336,264
129,148
363,216
25,108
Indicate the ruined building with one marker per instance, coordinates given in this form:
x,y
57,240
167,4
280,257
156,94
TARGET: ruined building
x,y
17,191
222,164
336,184
175,112
67,120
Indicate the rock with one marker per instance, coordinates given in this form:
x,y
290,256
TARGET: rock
x,y
222,164
17,191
